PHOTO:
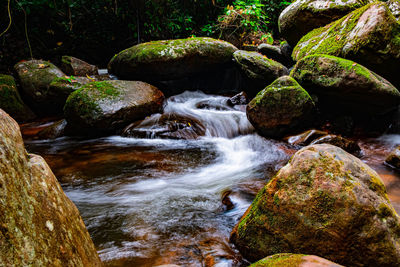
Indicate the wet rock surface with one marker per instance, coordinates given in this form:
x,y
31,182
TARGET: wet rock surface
x,y
295,260
75,66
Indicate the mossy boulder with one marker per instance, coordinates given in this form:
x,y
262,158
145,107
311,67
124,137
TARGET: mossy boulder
x,y
394,158
294,260
342,84
61,87
280,108
102,107
75,66
39,225
35,77
302,16
324,202
171,59
11,102
257,70
369,36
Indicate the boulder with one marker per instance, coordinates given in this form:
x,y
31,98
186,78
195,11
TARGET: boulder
x,y
344,85
305,138
168,126
294,260
273,52
171,59
394,6
11,102
258,70
336,140
35,77
102,107
394,158
75,66
369,36
62,87
39,225
302,16
324,202
57,129
281,107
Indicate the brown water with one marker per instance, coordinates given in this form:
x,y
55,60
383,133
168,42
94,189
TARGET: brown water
x,y
148,202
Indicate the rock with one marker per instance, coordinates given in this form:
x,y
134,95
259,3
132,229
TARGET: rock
x,y
286,51
305,138
39,225
258,70
57,129
369,36
394,158
170,126
281,107
102,107
347,145
11,102
62,87
294,260
75,66
302,16
344,85
35,77
273,52
394,6
239,99
324,202
171,59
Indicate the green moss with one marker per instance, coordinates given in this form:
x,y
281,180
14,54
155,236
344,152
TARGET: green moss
x,y
281,260
66,60
10,99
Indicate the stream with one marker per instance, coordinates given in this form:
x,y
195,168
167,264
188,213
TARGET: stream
x,y
149,201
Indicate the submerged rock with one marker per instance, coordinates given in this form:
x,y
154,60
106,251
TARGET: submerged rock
x,y
342,84
238,99
57,129
11,102
394,158
281,107
294,260
369,36
302,16
171,59
39,225
258,70
35,77
324,202
170,126
103,107
75,66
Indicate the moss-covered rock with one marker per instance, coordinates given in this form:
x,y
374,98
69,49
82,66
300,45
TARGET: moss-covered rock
x,y
11,102
281,107
102,107
294,260
39,225
394,158
75,66
342,84
324,202
35,77
61,87
302,16
257,70
171,59
369,36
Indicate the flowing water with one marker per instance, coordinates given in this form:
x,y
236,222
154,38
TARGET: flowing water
x,y
148,202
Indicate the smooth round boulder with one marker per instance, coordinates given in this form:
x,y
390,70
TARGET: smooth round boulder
x,y
342,84
35,77
171,59
75,66
280,108
102,107
324,202
11,102
394,158
369,36
302,16
294,260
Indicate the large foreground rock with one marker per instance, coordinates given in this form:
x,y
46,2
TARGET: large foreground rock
x,y
369,36
281,107
302,16
11,101
342,84
294,260
171,59
324,202
102,107
39,225
257,70
35,77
